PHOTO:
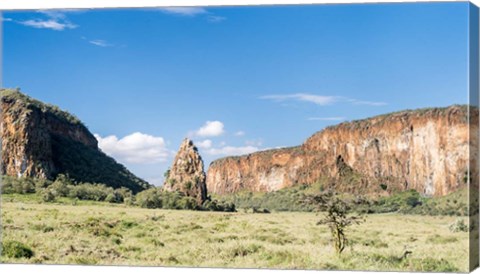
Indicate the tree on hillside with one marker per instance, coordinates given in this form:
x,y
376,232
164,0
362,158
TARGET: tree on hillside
x,y
336,216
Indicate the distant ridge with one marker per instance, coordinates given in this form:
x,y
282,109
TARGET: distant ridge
x,y
425,149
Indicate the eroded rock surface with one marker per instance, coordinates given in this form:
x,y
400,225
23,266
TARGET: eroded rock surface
x,y
187,174
426,150
41,141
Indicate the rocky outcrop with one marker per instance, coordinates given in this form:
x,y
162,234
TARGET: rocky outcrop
x,y
426,150
42,141
187,174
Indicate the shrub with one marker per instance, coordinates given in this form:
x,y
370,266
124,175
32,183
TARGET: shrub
x,y
87,191
12,185
150,198
215,205
48,195
171,199
187,203
14,249
459,226
41,184
59,188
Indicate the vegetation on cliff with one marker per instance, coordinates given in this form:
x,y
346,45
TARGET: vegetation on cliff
x,y
29,102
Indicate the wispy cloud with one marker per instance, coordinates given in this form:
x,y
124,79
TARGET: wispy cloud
x,y
194,11
232,150
48,24
320,100
256,143
185,11
239,133
305,97
326,119
54,14
100,43
6,19
55,20
216,19
368,103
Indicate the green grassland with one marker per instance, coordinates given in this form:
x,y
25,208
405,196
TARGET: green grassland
x,y
87,232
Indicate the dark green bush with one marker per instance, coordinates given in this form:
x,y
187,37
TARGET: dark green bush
x,y
11,185
14,249
48,195
214,205
187,203
150,198
87,191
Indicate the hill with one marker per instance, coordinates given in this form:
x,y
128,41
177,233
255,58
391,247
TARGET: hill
x,y
41,141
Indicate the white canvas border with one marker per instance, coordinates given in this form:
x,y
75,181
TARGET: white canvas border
x,y
87,4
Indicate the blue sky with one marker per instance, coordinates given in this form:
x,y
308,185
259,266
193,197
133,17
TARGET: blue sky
x,y
236,79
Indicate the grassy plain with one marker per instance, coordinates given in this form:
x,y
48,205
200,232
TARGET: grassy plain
x,y
78,232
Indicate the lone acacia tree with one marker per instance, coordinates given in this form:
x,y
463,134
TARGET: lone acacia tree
x,y
336,217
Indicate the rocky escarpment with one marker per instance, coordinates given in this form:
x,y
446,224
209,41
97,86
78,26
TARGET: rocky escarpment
x,y
187,173
42,141
426,150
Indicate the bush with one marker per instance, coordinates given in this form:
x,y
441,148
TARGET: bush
x,y
14,249
215,205
459,226
150,198
11,185
59,188
48,195
87,191
41,184
187,203
118,195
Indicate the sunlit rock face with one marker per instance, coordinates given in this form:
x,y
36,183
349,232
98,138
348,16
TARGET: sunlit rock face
x,y
41,141
187,173
426,150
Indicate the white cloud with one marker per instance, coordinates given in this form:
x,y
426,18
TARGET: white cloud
x,y
320,100
54,14
56,20
305,97
6,19
100,43
205,144
211,129
368,103
136,148
326,118
216,19
232,151
48,24
256,143
239,133
185,11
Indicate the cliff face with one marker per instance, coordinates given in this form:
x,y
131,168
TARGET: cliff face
x,y
426,150
187,174
41,141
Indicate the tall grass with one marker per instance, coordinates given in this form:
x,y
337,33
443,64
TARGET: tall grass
x,y
116,234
